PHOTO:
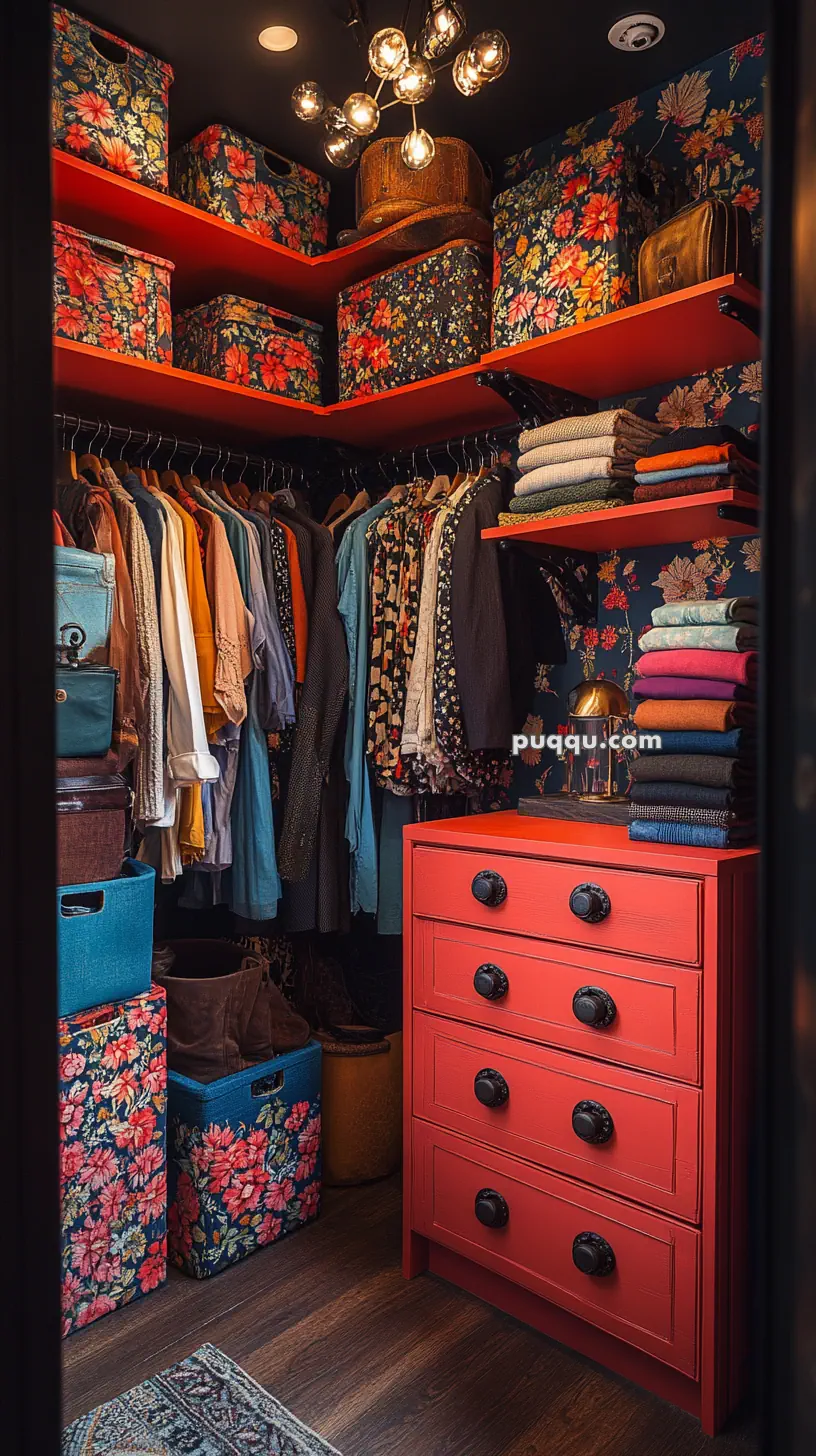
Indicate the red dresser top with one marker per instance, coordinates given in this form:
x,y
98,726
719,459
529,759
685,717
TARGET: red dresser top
x,y
512,833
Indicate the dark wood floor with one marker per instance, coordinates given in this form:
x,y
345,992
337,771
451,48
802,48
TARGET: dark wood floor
x,y
379,1366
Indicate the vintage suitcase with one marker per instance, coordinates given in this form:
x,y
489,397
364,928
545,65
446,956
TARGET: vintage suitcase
x,y
113,1159
246,183
105,939
109,100
362,1105
111,296
388,191
567,240
244,1160
702,241
381,346
251,344
93,820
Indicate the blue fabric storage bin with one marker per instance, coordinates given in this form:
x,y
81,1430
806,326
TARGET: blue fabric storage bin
x,y
244,1160
105,939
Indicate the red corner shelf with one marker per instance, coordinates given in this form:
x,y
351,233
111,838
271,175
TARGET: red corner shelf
x,y
652,523
649,343
212,256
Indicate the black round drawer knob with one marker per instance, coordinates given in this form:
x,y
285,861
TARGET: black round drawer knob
x,y
489,888
491,982
490,1088
590,903
593,1255
591,1122
594,1007
491,1208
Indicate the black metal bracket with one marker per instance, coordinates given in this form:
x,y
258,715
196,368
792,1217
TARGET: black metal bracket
x,y
746,515
535,402
741,312
574,573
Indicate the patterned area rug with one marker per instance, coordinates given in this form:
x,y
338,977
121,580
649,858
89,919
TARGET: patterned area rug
x,y
204,1406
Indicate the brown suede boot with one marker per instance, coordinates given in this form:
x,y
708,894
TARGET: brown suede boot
x,y
212,988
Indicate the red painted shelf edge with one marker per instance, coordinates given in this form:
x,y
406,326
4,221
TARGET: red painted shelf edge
x,y
667,515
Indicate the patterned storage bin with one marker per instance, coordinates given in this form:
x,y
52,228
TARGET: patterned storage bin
x,y
109,100
566,242
420,318
105,939
111,296
223,172
113,1163
244,1160
252,344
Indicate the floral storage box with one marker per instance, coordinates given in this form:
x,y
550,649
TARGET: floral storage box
x,y
109,101
252,344
382,344
566,241
111,296
113,1167
246,183
244,1160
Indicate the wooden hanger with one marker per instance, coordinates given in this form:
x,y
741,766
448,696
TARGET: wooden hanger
x,y
340,503
361,502
170,480
90,463
66,466
240,490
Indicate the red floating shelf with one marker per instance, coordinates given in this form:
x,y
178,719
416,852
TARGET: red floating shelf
x,y
651,523
212,256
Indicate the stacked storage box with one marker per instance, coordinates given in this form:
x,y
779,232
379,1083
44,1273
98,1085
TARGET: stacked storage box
x,y
111,296
251,344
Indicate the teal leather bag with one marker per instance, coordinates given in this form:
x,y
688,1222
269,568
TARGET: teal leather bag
x,y
84,699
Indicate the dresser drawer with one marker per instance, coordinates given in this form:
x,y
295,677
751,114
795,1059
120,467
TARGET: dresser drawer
x,y
650,1297
653,915
654,1009
648,1131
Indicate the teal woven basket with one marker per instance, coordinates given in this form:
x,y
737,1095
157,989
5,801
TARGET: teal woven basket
x,y
105,939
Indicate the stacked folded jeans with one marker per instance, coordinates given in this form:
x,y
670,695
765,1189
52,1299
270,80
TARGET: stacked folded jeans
x,y
583,463
694,460
696,688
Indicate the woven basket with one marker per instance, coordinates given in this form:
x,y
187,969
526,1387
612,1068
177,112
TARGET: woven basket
x,y
362,1107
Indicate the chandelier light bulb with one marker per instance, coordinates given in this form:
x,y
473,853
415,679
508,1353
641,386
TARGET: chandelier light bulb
x,y
388,53
362,113
465,76
418,149
444,26
309,101
416,82
342,148
335,120
489,55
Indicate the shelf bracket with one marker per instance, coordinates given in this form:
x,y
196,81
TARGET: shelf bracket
x,y
746,515
534,403
574,573
741,312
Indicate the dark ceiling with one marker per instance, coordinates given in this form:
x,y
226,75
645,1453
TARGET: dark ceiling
x,y
562,69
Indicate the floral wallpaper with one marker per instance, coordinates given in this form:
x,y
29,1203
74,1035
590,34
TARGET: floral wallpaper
x,y
707,125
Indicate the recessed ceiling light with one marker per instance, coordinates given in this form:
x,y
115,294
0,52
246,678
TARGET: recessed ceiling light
x,y
637,32
278,38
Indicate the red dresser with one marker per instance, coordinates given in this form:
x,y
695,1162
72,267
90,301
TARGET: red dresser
x,y
578,1025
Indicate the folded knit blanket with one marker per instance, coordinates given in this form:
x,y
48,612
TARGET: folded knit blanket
x,y
693,768
574,472
738,667
701,836
686,814
693,485
737,743
723,637
702,796
505,519
698,614
692,687
694,714
582,427
705,455
595,446
691,437
564,495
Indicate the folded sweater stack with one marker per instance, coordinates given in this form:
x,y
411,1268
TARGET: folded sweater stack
x,y
694,460
696,688
583,463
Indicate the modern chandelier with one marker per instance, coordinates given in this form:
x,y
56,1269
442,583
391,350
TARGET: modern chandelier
x,y
412,73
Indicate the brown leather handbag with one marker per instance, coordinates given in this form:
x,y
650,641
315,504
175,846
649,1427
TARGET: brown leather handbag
x,y
388,191
703,241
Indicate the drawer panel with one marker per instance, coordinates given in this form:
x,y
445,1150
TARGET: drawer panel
x,y
655,1009
651,1129
650,1298
651,914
